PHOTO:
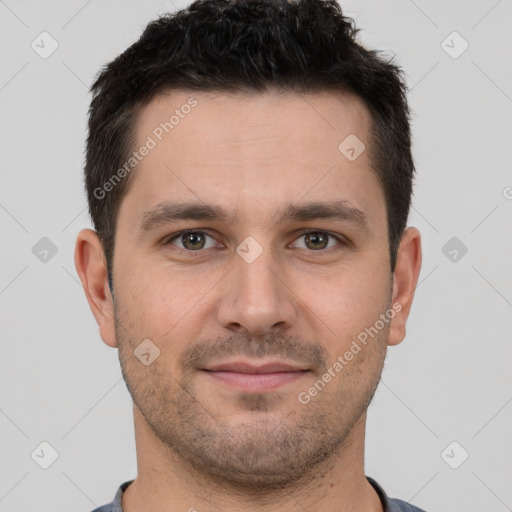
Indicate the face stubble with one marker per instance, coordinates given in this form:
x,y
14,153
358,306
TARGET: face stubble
x,y
274,446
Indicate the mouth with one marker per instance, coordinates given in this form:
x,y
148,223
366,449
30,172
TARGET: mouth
x,y
250,377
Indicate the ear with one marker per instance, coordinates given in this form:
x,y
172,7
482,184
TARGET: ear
x,y
405,278
91,266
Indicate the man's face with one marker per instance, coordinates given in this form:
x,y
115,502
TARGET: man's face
x,y
248,312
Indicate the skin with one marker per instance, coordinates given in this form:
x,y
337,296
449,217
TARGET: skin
x,y
203,444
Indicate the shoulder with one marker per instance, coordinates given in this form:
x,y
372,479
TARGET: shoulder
x,y
392,504
115,506
401,506
105,508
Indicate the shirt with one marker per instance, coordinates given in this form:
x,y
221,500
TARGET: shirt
x,y
389,504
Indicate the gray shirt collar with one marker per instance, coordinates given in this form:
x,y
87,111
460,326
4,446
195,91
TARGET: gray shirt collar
x,y
389,505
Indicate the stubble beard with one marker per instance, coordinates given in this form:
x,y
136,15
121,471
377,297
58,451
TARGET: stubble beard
x,y
270,450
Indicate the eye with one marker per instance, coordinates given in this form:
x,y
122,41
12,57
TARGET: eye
x,y
192,240
318,240
195,240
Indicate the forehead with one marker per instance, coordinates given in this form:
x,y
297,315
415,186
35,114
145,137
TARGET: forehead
x,y
253,151
212,119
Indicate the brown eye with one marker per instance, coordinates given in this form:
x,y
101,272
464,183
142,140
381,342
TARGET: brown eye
x,y
318,240
192,240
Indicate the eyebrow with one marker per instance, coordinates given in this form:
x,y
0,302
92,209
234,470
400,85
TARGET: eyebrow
x,y
171,212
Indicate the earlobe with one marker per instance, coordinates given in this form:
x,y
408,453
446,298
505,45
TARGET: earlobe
x,y
91,267
405,279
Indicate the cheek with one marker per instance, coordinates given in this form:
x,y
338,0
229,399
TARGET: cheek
x,y
168,305
343,304
350,292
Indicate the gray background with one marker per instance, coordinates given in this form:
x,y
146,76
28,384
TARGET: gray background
x,y
449,380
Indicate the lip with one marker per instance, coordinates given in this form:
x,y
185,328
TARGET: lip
x,y
246,367
250,377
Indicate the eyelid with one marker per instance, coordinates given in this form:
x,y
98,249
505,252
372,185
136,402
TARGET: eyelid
x,y
342,241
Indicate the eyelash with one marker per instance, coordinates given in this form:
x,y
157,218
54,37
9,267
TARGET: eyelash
x,y
169,240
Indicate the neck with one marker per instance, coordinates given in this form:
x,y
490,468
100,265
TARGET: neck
x,y
168,483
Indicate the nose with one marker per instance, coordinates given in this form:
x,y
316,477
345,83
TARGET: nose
x,y
256,298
